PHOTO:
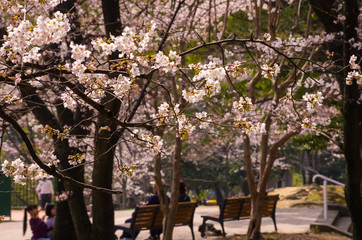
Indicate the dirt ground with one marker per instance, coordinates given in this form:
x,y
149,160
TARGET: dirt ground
x,y
299,236
308,196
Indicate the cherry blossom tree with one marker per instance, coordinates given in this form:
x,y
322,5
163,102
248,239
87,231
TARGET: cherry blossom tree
x,y
97,76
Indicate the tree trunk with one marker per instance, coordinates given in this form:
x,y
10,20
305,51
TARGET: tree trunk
x,y
103,211
79,217
352,113
75,201
175,191
219,197
63,220
256,217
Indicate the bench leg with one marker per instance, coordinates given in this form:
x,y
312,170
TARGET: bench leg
x,y
223,230
203,228
275,224
192,232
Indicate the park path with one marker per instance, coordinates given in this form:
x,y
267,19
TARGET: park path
x,y
294,220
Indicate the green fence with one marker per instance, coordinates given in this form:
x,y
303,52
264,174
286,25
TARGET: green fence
x,y
5,195
24,195
17,196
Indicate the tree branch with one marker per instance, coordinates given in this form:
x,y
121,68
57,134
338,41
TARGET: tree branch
x,y
47,169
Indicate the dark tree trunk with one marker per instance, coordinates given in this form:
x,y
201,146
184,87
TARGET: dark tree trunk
x,y
76,204
103,211
79,221
352,111
303,176
219,197
63,219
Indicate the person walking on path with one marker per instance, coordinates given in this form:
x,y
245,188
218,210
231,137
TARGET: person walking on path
x,y
45,188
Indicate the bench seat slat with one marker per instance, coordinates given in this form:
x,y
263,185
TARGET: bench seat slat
x,y
240,208
151,217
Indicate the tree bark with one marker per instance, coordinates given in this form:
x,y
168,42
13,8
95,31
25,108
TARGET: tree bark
x,y
256,216
105,142
352,112
258,192
78,225
103,211
175,190
63,220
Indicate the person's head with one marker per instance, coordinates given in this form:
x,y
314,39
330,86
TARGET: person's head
x,y
33,211
50,210
182,187
154,185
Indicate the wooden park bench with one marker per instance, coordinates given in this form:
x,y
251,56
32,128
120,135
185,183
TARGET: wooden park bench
x,y
151,217
239,208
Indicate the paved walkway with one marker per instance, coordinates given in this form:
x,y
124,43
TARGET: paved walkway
x,y
288,221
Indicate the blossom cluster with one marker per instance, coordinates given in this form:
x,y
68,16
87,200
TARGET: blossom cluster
x,y
270,72
122,85
244,105
194,95
235,69
184,127
79,52
20,172
129,170
212,74
130,45
308,124
355,73
313,100
23,41
14,6
127,44
76,159
202,119
51,132
290,46
249,127
166,63
153,142
166,112
68,98
63,196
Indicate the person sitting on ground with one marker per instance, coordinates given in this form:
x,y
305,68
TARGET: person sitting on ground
x,y
38,226
50,211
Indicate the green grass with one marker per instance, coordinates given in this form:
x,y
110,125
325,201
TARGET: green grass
x,y
297,180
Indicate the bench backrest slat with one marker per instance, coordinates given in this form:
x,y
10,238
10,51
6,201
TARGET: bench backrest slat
x,y
185,213
231,208
235,208
151,217
269,205
144,216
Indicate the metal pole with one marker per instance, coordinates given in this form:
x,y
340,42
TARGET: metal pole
x,y
325,198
